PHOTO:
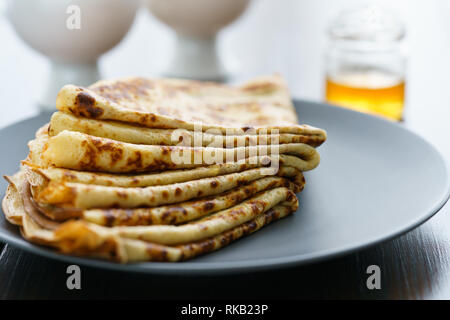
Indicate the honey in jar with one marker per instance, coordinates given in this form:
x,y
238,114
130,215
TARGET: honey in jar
x,y
374,92
365,66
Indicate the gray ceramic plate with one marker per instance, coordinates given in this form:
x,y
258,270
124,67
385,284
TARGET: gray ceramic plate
x,y
376,181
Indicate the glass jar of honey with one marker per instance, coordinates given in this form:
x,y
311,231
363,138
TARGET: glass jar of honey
x,y
365,62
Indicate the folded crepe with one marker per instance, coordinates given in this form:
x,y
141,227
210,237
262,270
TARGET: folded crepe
x,y
161,170
80,151
88,196
144,243
263,104
131,133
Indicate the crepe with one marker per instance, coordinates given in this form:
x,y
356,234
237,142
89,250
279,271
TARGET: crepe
x,y
168,214
174,244
101,128
79,151
262,103
161,169
125,132
186,211
159,178
83,196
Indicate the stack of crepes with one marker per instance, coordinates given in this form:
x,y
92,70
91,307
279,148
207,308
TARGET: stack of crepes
x,y
104,178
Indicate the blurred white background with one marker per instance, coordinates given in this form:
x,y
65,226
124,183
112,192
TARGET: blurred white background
x,y
286,36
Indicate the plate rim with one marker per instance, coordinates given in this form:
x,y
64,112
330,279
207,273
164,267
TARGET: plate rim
x,y
231,267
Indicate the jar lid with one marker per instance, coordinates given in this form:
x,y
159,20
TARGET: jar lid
x,y
371,24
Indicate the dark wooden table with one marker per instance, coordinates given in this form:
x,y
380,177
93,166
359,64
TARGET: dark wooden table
x,y
414,266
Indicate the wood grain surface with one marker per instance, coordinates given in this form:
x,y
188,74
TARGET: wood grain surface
x,y
414,266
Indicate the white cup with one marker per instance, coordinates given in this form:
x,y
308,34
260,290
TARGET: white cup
x,y
73,34
196,23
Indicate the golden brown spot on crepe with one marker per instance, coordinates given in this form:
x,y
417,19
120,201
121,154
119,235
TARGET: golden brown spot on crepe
x,y
109,218
122,194
165,150
115,205
69,175
124,89
242,167
143,118
178,191
257,206
158,165
239,198
89,158
65,195
116,153
231,235
199,193
254,207
85,106
214,184
136,161
172,220
108,247
172,212
251,225
290,196
156,252
273,184
208,205
269,216
146,219
131,217
207,245
165,194
235,213
225,239
169,212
